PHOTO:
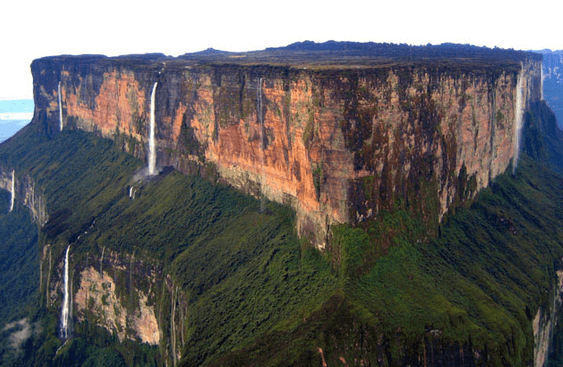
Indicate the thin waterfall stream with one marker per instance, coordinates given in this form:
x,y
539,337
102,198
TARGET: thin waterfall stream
x,y
65,311
13,191
152,143
60,107
519,111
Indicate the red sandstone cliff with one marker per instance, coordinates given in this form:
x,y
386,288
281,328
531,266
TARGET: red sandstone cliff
x,y
338,143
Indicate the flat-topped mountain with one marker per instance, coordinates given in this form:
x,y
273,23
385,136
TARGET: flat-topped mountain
x,y
339,131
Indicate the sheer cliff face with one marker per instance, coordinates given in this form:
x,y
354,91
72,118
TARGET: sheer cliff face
x,y
125,294
26,193
338,144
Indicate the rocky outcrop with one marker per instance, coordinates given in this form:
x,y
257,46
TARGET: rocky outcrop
x,y
97,297
126,294
114,291
25,193
545,323
339,143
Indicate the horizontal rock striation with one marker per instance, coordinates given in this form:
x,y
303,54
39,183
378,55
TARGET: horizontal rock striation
x,y
339,142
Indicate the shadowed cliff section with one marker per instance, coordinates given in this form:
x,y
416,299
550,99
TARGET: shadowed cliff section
x,y
542,136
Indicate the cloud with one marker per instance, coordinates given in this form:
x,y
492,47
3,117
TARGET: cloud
x,y
19,116
22,332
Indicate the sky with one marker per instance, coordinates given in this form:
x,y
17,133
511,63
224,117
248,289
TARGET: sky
x,y
34,29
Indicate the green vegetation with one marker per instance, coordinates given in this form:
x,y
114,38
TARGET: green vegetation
x,y
476,287
404,293
19,278
492,262
392,291
242,270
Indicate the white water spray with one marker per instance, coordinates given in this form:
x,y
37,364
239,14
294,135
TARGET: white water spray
x,y
542,78
13,199
261,121
60,108
152,145
519,115
65,312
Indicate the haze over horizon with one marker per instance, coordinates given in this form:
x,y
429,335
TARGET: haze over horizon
x,y
118,28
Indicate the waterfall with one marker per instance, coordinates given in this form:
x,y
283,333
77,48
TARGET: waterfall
x,y
131,263
64,332
13,199
48,280
519,114
102,263
261,122
152,147
60,108
542,78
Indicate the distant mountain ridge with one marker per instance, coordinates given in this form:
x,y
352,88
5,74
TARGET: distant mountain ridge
x,y
553,81
14,114
401,50
349,52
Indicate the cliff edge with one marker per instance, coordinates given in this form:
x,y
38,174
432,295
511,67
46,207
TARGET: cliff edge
x,y
339,131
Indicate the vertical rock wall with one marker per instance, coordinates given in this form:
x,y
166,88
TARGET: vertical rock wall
x,y
337,144
126,294
26,193
545,322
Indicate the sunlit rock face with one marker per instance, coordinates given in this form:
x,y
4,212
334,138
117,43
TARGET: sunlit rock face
x,y
124,293
116,291
339,143
98,298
